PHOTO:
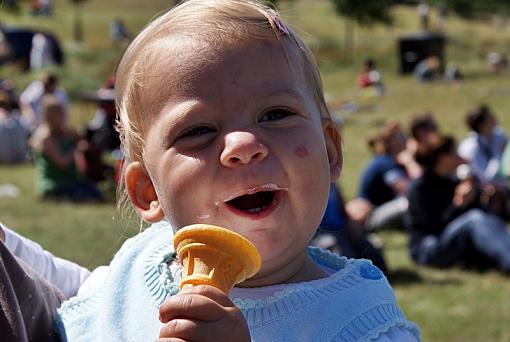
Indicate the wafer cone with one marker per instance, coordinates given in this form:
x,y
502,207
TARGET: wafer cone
x,y
215,256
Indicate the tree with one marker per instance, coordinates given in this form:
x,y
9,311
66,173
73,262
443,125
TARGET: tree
x,y
470,8
367,12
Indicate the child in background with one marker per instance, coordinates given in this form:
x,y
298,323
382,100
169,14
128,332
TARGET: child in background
x,y
55,152
223,121
31,99
370,80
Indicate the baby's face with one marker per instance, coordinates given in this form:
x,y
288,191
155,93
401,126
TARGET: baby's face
x,y
240,143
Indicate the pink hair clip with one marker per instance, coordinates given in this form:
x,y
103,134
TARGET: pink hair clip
x,y
280,26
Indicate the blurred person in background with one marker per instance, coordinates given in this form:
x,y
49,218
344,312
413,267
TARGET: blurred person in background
x,y
483,149
453,75
42,7
422,128
13,133
7,87
41,54
381,200
32,97
445,219
484,146
428,70
423,10
102,126
54,148
118,31
100,137
369,81
442,12
497,62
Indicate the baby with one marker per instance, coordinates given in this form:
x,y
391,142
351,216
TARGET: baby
x,y
223,121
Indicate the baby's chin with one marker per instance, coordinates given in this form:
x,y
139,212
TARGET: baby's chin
x,y
274,256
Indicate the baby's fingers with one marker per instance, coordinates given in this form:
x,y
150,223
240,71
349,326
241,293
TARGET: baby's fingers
x,y
182,330
189,330
191,306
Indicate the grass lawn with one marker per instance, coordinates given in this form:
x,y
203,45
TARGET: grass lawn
x,y
454,305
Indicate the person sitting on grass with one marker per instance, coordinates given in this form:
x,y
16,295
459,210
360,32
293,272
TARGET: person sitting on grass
x,y
381,200
428,69
54,148
484,146
369,81
422,128
483,149
445,221
13,133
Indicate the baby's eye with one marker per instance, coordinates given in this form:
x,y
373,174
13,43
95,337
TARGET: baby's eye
x,y
196,131
276,114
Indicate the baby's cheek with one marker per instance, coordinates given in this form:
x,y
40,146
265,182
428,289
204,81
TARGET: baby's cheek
x,y
301,151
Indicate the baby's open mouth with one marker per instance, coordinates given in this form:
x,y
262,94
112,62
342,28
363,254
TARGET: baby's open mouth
x,y
253,203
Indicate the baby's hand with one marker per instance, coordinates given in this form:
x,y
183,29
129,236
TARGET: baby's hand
x,y
202,313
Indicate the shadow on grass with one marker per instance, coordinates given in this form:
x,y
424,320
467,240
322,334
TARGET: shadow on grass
x,y
406,277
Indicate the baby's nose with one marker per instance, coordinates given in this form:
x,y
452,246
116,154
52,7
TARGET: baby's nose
x,y
242,148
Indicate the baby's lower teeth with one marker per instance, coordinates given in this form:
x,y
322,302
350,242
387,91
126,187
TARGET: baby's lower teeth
x,y
255,210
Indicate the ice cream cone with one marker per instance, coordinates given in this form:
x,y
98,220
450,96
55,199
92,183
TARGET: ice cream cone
x,y
215,256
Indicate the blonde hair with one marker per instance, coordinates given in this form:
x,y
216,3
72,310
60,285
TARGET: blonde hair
x,y
217,22
51,107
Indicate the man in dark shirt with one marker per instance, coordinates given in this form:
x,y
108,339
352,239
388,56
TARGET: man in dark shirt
x,y
445,223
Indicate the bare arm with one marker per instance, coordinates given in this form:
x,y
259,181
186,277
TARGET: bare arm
x,y
63,274
27,113
406,159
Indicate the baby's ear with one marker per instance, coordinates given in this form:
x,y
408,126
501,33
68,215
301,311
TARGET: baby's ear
x,y
142,193
334,148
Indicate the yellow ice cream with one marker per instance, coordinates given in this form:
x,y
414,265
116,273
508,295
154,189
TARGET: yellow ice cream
x,y
215,256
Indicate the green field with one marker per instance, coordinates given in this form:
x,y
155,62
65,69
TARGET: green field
x,y
453,305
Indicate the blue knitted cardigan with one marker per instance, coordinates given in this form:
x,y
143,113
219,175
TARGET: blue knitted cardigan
x,y
354,304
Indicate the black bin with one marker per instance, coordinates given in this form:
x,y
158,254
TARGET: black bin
x,y
415,48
